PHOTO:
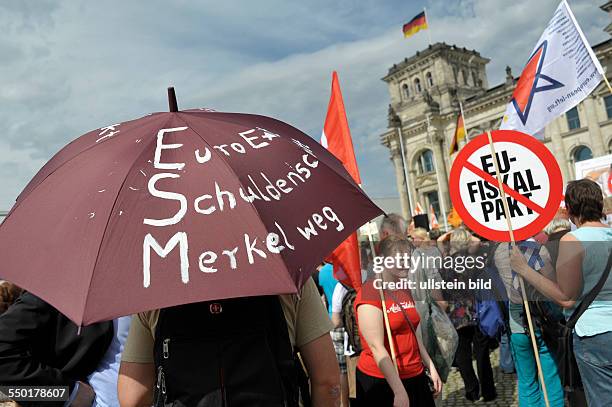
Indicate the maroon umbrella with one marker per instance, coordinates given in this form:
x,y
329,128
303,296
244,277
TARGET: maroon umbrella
x,y
175,208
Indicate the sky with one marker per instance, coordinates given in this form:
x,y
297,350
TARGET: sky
x,y
73,66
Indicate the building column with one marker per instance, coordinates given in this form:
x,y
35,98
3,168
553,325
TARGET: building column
x,y
400,180
413,190
558,149
441,177
593,125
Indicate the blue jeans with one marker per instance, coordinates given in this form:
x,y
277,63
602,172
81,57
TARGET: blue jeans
x,y
594,358
506,363
530,392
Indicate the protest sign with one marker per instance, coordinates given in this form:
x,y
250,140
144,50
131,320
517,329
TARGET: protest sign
x,y
532,184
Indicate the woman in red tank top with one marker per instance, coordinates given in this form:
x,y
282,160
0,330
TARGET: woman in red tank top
x,y
379,382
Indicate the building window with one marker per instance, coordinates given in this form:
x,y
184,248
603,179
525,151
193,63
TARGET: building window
x,y
582,153
426,162
417,85
429,79
455,73
465,76
475,79
608,103
405,90
573,120
433,200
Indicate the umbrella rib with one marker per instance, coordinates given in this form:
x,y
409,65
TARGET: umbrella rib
x,y
129,171
19,201
229,119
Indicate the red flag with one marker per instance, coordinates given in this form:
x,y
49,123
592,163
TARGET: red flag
x,y
336,138
433,223
458,136
418,209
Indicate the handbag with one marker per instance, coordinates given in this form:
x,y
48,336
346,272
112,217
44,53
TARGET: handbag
x,y
438,333
430,382
561,334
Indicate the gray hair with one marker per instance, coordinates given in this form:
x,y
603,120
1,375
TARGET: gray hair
x,y
393,224
556,225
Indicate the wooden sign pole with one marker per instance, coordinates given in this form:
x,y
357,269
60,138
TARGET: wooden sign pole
x,y
521,282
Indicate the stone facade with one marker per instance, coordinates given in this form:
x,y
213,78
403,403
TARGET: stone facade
x,y
426,90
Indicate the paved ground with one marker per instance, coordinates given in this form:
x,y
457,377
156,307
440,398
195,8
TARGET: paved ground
x,y
505,384
453,395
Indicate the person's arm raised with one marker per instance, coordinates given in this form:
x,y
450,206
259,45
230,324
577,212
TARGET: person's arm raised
x,y
371,325
320,360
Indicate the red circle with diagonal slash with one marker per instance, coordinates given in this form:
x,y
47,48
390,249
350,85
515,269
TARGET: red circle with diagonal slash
x,y
546,213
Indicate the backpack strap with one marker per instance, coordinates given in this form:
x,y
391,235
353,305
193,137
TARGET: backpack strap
x,y
225,324
588,299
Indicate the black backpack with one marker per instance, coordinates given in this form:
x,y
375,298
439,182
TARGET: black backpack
x,y
349,321
226,353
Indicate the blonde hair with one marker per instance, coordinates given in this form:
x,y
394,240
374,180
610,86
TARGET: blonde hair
x,y
420,232
460,239
556,225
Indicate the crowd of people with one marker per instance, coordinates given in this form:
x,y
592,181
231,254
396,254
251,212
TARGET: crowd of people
x,y
560,267
334,344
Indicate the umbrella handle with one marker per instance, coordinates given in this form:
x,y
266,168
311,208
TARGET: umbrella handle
x,y
172,104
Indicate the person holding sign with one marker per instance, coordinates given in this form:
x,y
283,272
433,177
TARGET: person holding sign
x,y
581,267
529,389
380,382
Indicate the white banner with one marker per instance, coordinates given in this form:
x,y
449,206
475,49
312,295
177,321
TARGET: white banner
x,y
599,170
560,73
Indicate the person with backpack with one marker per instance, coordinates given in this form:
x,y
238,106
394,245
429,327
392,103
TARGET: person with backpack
x,y
379,381
583,287
529,387
462,313
555,230
345,315
232,353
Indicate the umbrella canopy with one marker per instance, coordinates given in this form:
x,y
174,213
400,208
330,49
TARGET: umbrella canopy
x,y
178,207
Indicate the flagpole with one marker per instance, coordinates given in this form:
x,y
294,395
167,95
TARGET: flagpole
x,y
607,83
427,20
464,121
442,198
521,282
401,137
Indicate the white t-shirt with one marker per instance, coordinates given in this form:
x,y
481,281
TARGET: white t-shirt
x,y
337,297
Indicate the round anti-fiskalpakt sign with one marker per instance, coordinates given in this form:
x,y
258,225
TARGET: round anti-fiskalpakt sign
x,y
533,185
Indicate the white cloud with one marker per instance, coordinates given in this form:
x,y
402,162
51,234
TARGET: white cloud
x,y
76,67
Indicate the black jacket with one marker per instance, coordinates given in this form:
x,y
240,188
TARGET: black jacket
x,y
40,346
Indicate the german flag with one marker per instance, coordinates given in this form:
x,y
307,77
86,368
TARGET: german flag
x,y
419,22
458,136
